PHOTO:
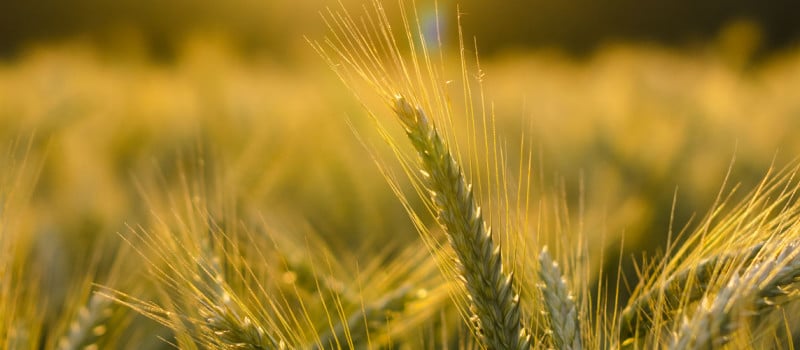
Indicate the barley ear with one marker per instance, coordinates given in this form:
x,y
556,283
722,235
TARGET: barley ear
x,y
713,322
228,323
780,282
225,326
684,286
367,320
89,324
755,290
560,304
494,303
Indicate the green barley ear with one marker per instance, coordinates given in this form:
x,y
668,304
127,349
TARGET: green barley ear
x,y
562,313
494,303
752,294
365,50
713,322
700,296
683,286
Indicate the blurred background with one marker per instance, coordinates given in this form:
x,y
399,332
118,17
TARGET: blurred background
x,y
627,102
276,26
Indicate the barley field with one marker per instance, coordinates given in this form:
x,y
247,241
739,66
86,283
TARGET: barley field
x,y
385,186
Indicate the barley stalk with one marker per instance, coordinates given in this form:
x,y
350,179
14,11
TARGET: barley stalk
x,y
494,303
560,304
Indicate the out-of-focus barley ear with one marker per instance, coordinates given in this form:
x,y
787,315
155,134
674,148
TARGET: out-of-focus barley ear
x,y
367,320
226,323
198,305
237,286
494,303
22,299
227,327
89,325
559,302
